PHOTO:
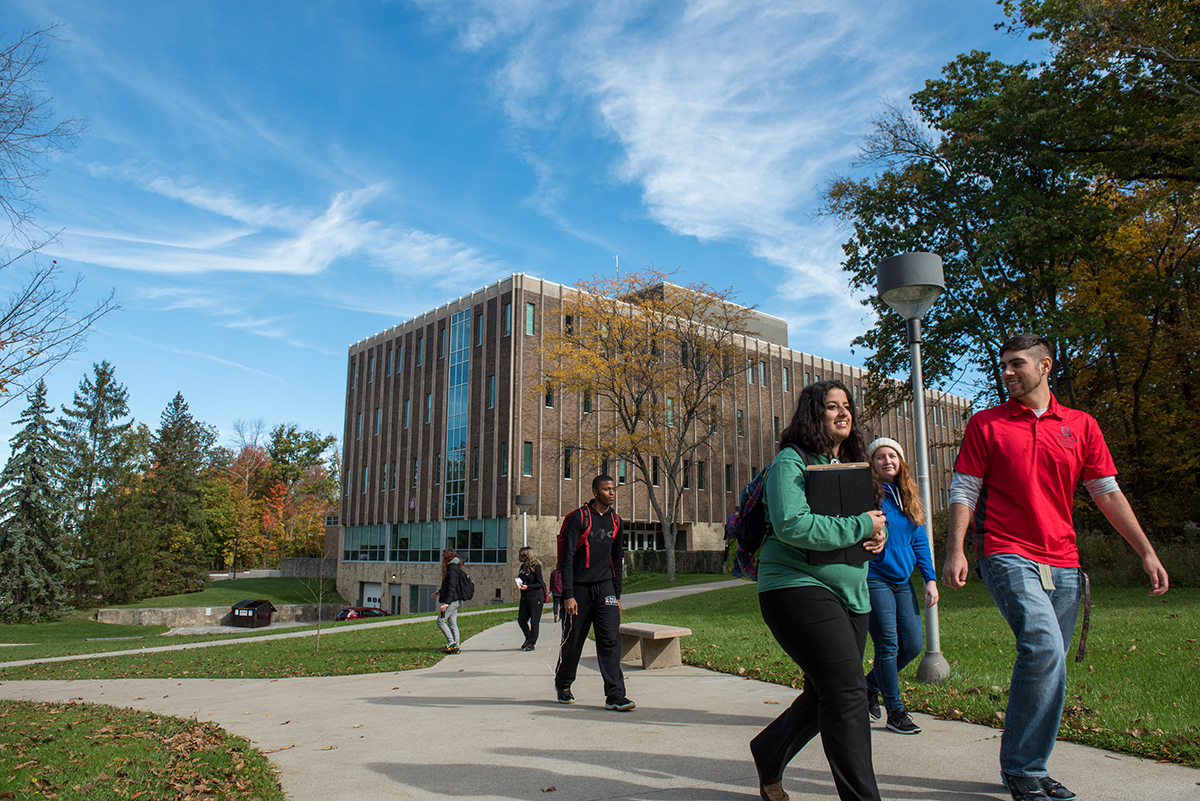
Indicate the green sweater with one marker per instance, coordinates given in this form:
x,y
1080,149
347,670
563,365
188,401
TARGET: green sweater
x,y
794,529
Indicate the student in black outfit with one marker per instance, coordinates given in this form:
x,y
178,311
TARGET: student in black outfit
x,y
533,596
591,563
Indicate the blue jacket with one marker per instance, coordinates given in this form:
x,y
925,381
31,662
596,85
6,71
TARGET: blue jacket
x,y
907,546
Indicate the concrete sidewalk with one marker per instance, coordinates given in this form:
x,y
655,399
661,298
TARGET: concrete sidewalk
x,y
484,724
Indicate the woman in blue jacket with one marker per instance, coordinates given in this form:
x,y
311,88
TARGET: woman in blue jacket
x,y
895,623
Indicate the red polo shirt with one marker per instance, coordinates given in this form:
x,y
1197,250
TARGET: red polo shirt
x,y
1030,468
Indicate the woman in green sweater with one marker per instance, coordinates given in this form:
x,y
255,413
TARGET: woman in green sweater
x,y
818,613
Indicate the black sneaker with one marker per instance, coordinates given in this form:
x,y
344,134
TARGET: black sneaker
x,y
901,723
620,705
1025,788
565,697
1055,790
873,705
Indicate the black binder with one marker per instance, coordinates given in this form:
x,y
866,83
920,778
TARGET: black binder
x,y
841,490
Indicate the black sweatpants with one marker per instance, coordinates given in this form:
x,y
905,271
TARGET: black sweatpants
x,y
827,641
529,614
598,608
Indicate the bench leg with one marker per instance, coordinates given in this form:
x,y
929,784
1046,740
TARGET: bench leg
x,y
631,647
661,653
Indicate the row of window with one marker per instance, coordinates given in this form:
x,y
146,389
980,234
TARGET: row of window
x,y
476,541
454,469
395,365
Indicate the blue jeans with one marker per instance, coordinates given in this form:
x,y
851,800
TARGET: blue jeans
x,y
895,627
1043,622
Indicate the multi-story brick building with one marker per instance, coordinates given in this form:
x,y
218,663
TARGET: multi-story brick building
x,y
447,421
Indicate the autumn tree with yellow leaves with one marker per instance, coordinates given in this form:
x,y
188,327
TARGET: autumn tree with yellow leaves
x,y
654,365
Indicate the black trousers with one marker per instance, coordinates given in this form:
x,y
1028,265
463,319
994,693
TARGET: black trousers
x,y
827,641
529,614
598,609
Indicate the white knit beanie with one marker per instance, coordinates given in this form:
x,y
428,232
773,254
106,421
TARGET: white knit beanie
x,y
885,442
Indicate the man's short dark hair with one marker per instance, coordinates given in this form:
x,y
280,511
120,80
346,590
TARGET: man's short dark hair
x,y
600,479
1032,342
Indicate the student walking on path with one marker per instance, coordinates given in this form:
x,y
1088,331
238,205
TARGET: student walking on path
x,y
533,596
448,599
895,623
591,557
818,612
1017,471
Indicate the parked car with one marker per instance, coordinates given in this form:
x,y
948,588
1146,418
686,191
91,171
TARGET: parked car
x,y
360,611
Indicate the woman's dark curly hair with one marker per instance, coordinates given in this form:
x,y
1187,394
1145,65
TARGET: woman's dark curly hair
x,y
808,430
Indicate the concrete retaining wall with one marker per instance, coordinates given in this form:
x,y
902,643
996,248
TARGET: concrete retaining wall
x,y
175,617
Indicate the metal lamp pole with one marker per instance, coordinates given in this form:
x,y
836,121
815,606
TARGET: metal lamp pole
x,y
524,504
909,284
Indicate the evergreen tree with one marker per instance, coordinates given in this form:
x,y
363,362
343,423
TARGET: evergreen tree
x,y
34,548
99,456
182,451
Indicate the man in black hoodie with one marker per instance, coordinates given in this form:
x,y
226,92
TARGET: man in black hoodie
x,y
591,562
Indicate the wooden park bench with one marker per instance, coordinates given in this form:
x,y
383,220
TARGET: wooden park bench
x,y
655,644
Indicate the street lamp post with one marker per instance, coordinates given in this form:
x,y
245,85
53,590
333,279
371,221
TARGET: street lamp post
x,y
524,504
909,284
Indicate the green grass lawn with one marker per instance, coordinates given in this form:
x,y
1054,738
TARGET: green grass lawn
x,y
644,582
1135,692
100,752
227,592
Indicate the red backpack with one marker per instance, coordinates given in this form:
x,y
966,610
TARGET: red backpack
x,y
585,521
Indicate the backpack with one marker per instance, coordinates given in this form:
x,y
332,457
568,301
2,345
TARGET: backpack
x,y
585,515
556,582
466,588
747,529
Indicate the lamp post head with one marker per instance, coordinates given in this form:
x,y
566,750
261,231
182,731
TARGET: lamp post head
x,y
524,503
910,283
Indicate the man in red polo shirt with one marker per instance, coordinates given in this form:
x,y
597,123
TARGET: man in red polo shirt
x,y
1017,470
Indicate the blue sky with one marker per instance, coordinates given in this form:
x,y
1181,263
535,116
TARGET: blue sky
x,y
265,183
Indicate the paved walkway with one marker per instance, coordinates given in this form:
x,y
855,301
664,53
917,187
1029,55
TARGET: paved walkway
x,y
484,725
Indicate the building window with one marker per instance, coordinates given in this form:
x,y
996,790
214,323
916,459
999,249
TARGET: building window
x,y
750,371
393,475
491,392
787,380
729,478
399,357
420,350
507,319
807,378
378,420
527,459
587,403
566,463
762,372
415,463
457,401
475,464
620,471
370,368
700,475
568,324
437,468
654,470
359,434
549,397
428,407
687,474
407,411
670,412
389,362
479,329
366,478
504,458
530,311
741,428
777,429
383,479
